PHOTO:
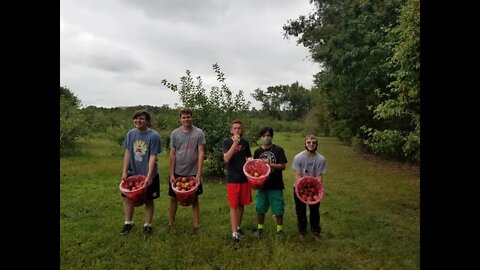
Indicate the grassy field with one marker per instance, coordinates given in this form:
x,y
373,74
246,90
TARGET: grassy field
x,y
369,216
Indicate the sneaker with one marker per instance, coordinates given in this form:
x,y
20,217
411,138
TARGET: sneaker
x,y
196,230
234,241
147,230
281,232
302,233
258,233
126,229
316,234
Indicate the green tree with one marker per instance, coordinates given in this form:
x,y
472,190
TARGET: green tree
x,y
212,113
72,121
115,122
401,105
271,99
298,100
290,102
346,37
317,119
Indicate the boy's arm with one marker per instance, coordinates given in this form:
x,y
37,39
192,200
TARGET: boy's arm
x,y
126,161
201,157
171,163
229,154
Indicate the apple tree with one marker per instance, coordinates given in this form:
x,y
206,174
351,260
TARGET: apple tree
x,y
213,112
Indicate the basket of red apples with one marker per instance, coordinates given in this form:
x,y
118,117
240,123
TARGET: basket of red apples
x,y
309,190
185,188
133,188
257,172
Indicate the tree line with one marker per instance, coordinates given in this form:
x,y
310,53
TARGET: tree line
x,y
369,87
213,112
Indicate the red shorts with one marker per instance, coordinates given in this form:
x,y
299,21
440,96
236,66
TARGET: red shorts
x,y
238,194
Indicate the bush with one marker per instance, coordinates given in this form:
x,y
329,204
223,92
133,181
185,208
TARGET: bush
x,y
212,113
72,121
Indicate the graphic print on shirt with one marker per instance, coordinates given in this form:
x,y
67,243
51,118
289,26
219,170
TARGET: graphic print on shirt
x,y
140,148
270,156
238,148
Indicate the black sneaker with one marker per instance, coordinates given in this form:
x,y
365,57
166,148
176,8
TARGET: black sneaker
x,y
235,239
126,229
196,230
316,234
280,233
302,233
258,233
147,230
234,242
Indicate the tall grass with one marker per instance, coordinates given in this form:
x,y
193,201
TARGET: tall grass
x,y
369,218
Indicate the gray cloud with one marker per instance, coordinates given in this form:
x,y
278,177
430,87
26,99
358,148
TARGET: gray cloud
x,y
113,62
203,12
116,52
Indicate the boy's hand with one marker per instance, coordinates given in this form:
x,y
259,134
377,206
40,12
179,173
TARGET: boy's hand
x,y
236,138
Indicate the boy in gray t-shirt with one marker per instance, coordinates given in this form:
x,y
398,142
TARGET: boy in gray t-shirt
x,y
308,163
187,152
142,145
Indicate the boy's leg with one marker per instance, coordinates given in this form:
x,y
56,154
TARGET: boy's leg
x,y
315,219
301,211
196,212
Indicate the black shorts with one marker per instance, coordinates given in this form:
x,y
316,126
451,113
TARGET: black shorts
x,y
153,191
171,193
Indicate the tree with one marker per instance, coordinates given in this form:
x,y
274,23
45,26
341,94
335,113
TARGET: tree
x,y
290,101
317,119
401,104
298,100
72,121
212,113
346,37
271,99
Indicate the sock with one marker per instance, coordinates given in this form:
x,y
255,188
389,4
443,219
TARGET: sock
x,y
235,234
147,224
238,228
129,222
279,228
260,226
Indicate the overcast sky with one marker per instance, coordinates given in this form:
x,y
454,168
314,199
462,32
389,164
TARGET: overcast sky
x,y
116,52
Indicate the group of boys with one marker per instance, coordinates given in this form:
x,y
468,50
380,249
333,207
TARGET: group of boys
x,y
187,152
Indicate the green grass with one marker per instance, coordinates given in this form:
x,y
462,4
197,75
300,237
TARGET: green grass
x,y
369,218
